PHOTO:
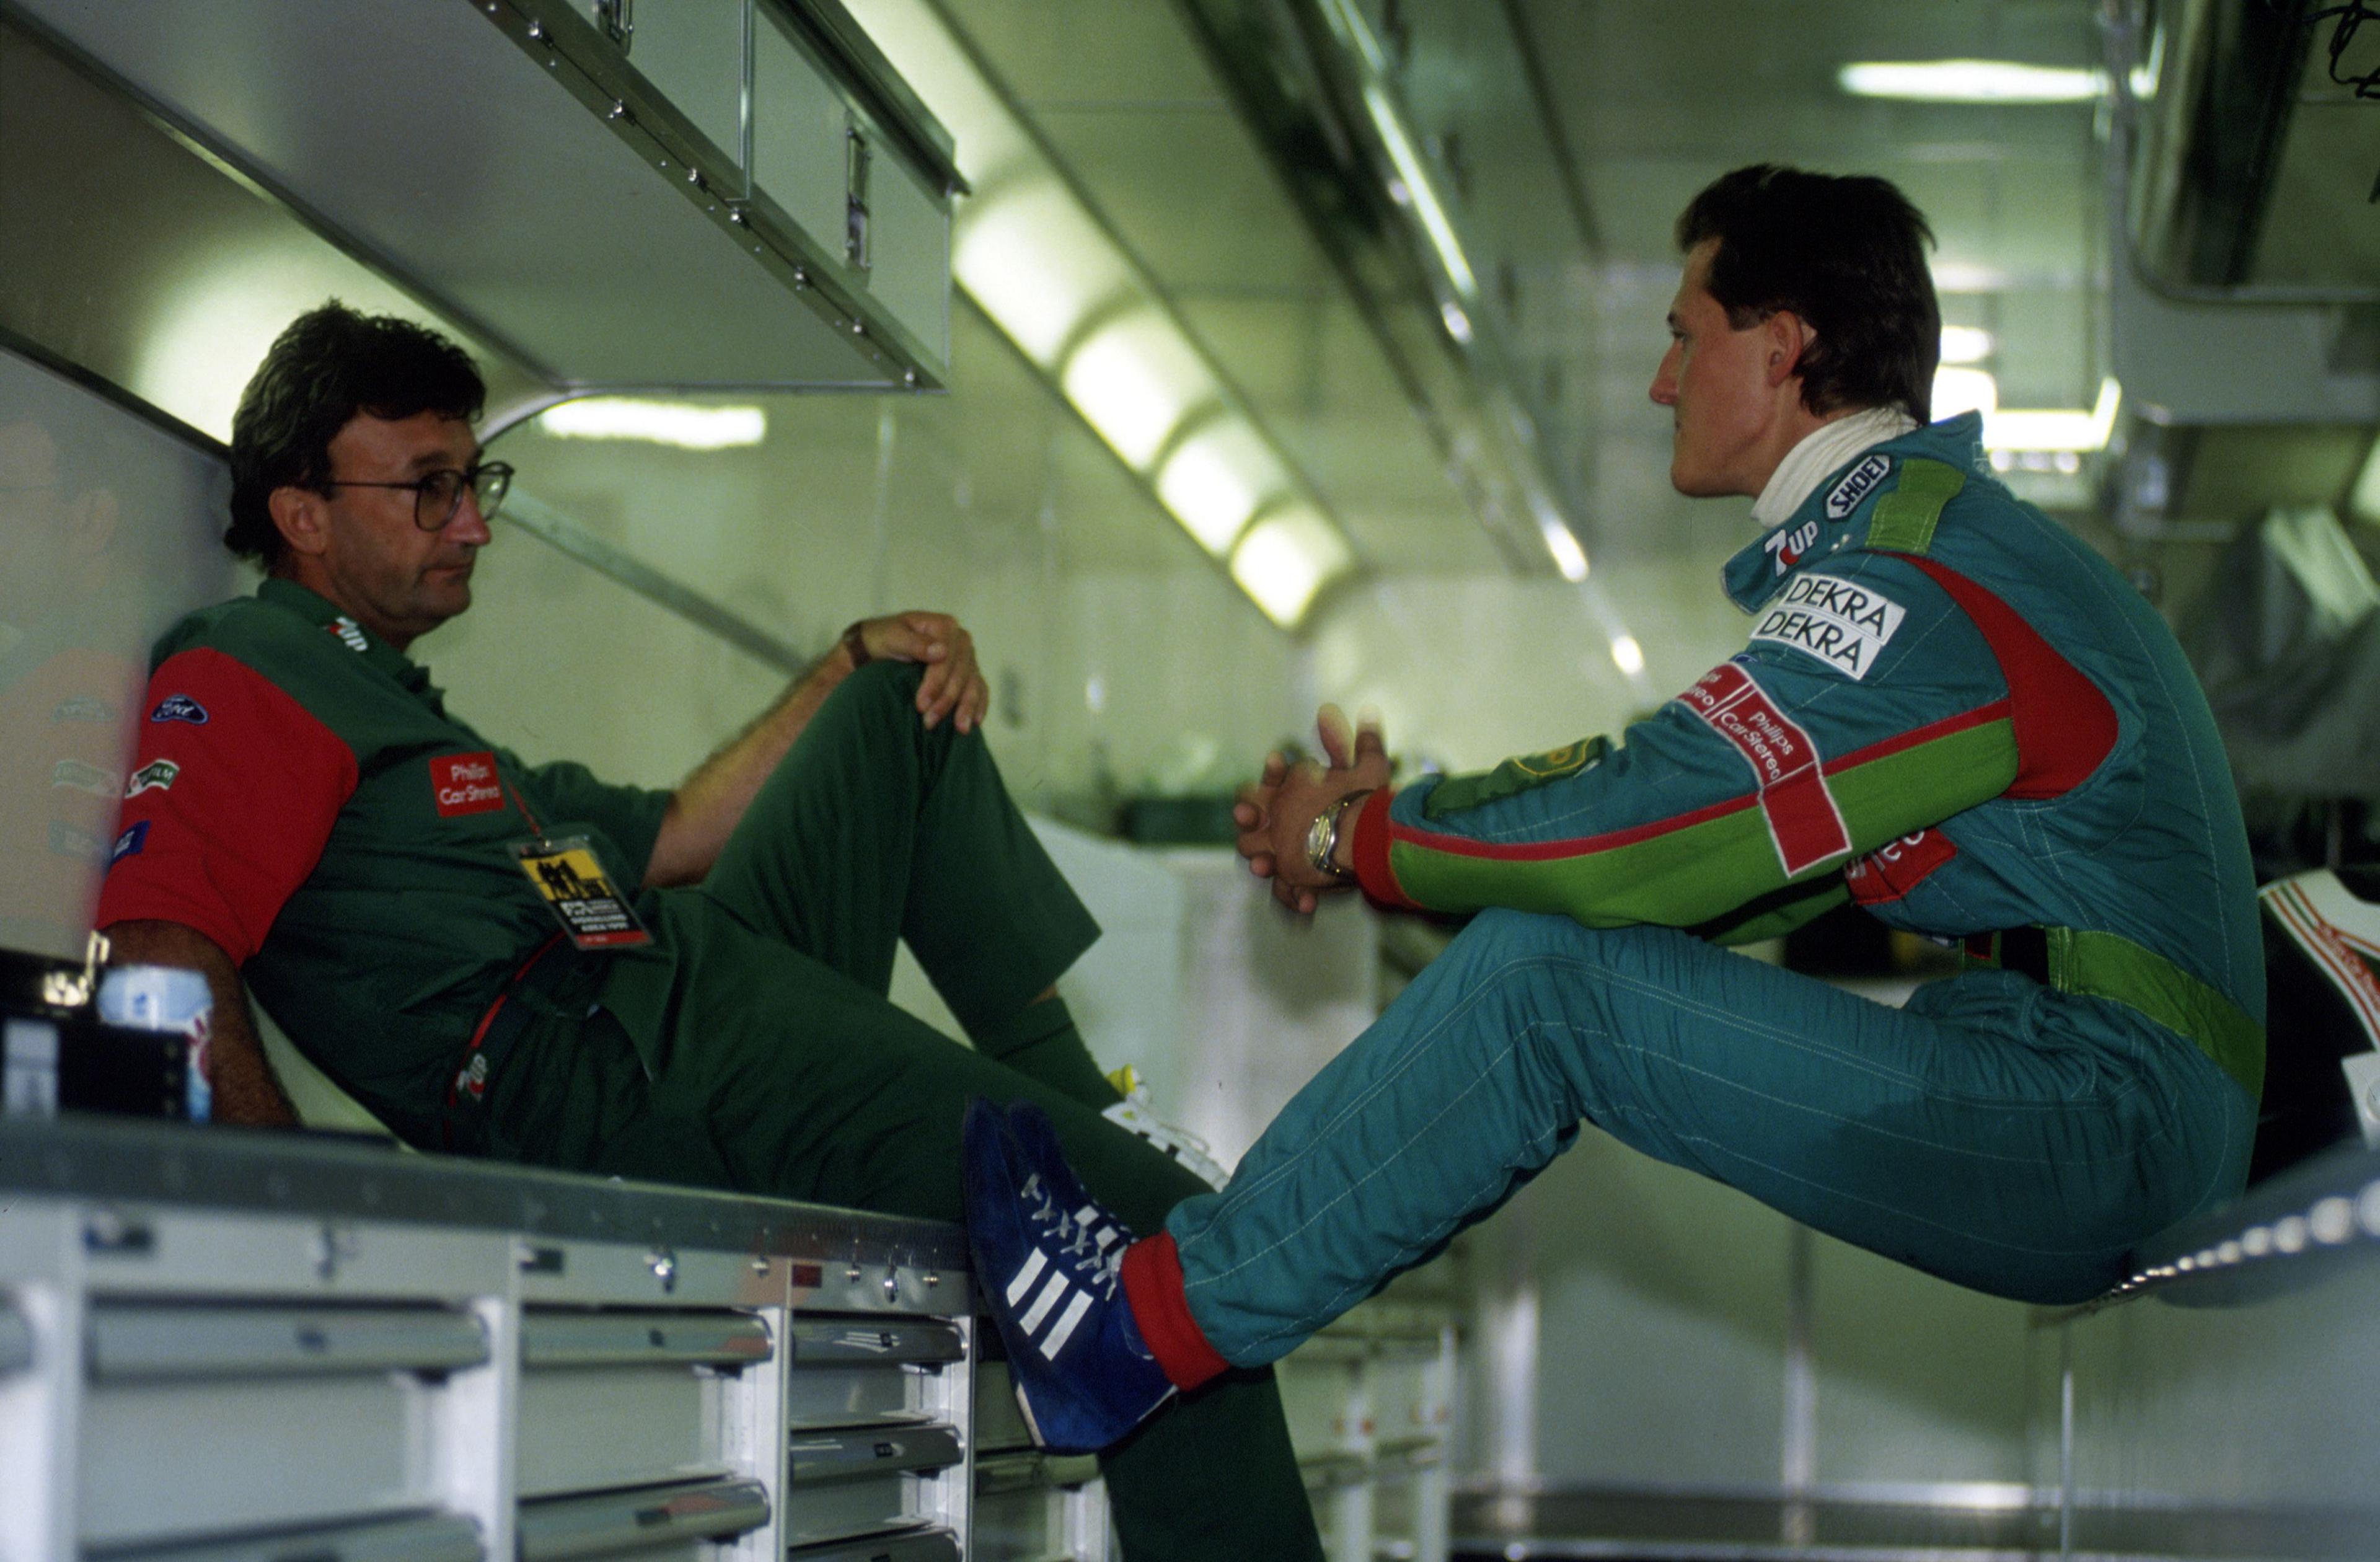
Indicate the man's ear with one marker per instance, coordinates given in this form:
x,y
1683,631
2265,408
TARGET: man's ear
x,y
302,519
1785,338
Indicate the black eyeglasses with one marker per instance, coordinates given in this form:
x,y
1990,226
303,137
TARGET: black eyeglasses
x,y
437,497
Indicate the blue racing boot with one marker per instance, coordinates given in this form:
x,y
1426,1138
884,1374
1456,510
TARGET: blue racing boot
x,y
1097,1231
1083,1376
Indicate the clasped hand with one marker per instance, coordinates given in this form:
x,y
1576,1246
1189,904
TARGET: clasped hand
x,y
1275,811
953,685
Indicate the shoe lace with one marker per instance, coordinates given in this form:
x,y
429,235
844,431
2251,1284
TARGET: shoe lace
x,y
1078,1243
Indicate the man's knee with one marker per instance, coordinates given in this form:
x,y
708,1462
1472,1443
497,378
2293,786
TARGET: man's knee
x,y
871,695
1133,1177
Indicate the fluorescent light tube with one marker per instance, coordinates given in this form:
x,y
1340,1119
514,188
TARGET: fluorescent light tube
x,y
1972,81
1215,480
1966,344
659,422
1285,560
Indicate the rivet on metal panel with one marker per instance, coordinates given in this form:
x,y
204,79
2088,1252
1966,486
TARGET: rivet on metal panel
x,y
664,1263
801,277
892,1284
859,328
617,111
537,29
909,378
694,176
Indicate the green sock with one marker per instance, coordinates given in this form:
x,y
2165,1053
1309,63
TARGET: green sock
x,y
1040,1043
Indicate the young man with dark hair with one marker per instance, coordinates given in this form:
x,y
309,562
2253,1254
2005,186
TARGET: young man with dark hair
x,y
1949,711
522,961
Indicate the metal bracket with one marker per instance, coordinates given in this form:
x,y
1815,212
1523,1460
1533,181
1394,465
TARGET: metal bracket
x,y
856,161
619,20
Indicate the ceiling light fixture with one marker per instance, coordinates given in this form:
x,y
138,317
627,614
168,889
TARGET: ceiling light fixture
x,y
1285,560
1960,390
1627,656
1966,344
1054,278
1036,263
1560,542
1972,81
1214,481
658,423
2054,430
1132,381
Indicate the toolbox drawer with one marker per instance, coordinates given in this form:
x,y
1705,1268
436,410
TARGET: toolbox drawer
x,y
626,1399
147,1341
864,1482
170,1458
200,1418
932,1545
654,1520
429,1537
581,1428
856,1372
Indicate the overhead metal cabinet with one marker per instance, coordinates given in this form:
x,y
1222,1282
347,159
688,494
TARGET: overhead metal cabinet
x,y
672,196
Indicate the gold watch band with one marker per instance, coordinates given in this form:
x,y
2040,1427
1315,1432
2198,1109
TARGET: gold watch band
x,y
1322,838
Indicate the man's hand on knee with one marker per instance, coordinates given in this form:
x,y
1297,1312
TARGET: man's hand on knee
x,y
953,685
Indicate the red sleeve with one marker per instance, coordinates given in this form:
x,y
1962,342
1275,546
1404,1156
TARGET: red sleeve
x,y
230,801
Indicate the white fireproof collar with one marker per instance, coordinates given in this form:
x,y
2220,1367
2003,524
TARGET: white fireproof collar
x,y
1820,452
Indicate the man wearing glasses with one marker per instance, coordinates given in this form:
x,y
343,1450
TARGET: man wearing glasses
x,y
523,961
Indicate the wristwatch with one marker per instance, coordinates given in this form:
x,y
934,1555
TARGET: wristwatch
x,y
1322,838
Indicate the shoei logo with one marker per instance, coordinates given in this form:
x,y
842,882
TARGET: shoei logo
x,y
1857,486
179,707
463,784
154,776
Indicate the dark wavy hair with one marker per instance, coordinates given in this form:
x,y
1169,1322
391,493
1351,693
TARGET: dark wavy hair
x,y
1847,253
325,366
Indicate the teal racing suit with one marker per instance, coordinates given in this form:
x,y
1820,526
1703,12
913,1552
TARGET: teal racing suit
x,y
1951,711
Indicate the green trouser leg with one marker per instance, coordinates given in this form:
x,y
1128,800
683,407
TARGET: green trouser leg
x,y
785,1071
